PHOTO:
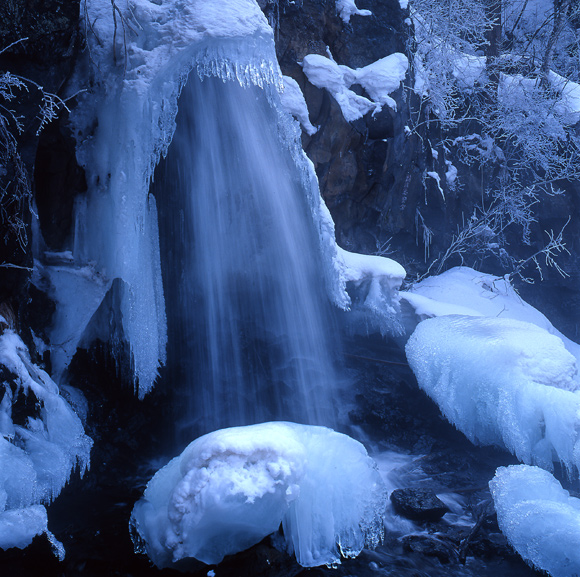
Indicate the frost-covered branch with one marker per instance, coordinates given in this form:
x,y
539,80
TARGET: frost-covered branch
x,y
508,105
550,252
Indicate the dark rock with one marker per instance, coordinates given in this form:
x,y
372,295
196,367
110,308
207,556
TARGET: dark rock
x,y
430,546
58,180
418,504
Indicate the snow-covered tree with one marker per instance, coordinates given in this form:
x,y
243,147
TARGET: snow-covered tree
x,y
500,79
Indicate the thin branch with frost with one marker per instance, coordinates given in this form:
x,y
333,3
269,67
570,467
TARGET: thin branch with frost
x,y
553,248
11,265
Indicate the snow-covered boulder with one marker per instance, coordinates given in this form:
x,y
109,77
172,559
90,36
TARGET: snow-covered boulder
x,y
539,518
231,488
465,291
501,382
38,453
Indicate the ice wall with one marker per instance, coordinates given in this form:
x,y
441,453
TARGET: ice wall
x,y
231,488
139,57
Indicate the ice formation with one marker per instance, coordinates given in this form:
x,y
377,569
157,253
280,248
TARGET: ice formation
x,y
373,283
379,79
124,128
36,456
127,123
231,488
539,518
464,291
293,101
502,382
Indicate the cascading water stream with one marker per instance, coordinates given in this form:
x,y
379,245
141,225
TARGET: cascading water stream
x,y
250,331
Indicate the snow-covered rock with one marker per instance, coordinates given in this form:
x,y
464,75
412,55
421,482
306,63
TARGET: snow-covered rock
x,y
539,518
379,79
465,291
373,284
231,488
347,8
37,456
501,382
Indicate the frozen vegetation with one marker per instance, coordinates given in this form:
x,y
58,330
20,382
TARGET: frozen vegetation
x,y
231,488
501,382
539,518
37,455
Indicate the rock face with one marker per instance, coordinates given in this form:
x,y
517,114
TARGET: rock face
x,y
370,172
373,173
38,42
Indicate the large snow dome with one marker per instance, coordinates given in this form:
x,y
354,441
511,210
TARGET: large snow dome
x,y
231,488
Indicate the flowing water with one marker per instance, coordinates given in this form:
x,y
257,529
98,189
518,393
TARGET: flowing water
x,y
250,333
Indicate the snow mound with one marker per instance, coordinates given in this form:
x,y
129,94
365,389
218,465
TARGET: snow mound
x,y
465,291
379,79
36,456
501,382
539,518
231,488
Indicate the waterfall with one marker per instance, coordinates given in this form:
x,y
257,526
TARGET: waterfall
x,y
250,330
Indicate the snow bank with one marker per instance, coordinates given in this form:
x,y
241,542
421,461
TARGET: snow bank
x,y
233,487
539,518
347,8
501,382
379,79
568,104
38,455
465,291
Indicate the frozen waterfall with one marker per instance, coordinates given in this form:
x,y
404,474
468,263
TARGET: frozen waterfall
x,y
250,331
